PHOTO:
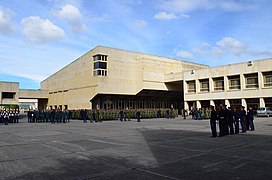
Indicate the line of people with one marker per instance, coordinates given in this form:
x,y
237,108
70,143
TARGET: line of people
x,y
53,116
9,116
230,120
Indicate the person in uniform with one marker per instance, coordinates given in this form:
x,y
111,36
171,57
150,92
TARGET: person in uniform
x,y
52,116
250,115
17,116
213,120
11,117
93,117
6,117
236,120
138,116
230,121
221,121
121,114
243,119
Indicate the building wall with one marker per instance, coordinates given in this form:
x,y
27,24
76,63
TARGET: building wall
x,y
9,87
128,73
241,70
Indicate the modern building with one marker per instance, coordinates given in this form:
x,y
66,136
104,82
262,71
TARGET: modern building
x,y
246,84
109,78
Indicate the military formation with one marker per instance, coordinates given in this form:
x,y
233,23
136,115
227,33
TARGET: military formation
x,y
9,116
52,116
201,113
230,120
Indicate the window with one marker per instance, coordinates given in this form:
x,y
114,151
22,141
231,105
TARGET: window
x,y
218,84
191,86
234,82
100,57
252,80
204,85
8,95
100,65
267,79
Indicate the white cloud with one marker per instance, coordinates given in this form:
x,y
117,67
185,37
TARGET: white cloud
x,y
72,14
186,6
140,24
199,51
41,31
5,21
165,16
184,54
232,45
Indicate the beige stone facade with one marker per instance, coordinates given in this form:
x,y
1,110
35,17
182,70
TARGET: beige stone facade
x,y
125,73
9,92
111,78
247,84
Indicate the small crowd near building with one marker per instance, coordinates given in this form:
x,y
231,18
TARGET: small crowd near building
x,y
9,116
53,116
230,120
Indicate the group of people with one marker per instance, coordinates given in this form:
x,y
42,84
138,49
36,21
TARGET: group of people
x,y
9,116
230,120
201,113
53,116
93,117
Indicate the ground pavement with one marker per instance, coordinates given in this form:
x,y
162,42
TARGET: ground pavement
x,y
152,149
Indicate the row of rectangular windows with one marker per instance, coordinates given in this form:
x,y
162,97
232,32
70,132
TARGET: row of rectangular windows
x,y
251,81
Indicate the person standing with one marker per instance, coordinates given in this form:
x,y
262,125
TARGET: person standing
x,y
221,121
243,119
250,115
230,121
236,120
17,116
121,115
213,120
6,117
138,116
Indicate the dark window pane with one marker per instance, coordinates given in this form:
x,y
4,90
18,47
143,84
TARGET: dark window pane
x,y
100,65
8,95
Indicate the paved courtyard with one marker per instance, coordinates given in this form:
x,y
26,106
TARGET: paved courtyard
x,y
153,149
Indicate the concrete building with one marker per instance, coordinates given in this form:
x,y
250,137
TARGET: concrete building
x,y
246,84
111,78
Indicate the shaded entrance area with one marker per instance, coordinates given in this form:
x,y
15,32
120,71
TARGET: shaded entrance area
x,y
145,99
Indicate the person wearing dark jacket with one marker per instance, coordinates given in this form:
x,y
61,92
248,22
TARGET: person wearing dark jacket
x,y
213,120
250,118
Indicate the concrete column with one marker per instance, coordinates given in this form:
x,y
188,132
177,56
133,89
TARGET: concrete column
x,y
244,104
212,103
227,103
185,87
36,105
197,86
186,105
262,103
226,83
260,80
198,104
211,85
242,80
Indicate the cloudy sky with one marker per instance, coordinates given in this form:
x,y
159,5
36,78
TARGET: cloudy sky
x,y
38,37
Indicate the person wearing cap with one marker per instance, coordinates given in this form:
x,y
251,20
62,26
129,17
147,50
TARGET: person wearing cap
x,y
213,120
